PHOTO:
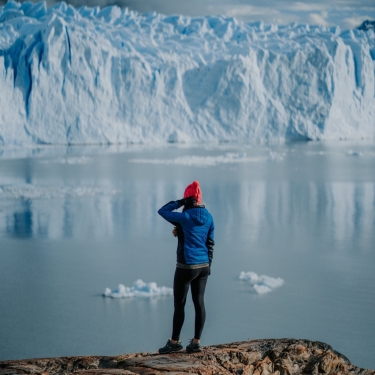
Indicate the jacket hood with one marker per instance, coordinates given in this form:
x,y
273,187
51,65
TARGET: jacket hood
x,y
199,214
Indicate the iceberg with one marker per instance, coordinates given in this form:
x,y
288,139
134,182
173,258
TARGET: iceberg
x,y
109,76
139,289
262,284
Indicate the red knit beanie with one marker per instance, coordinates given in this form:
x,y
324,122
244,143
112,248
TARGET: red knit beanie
x,y
194,190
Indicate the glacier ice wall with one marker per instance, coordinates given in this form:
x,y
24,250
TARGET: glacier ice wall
x,y
91,75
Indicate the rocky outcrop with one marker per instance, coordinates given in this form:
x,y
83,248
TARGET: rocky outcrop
x,y
256,357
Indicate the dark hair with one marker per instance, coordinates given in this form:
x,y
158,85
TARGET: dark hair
x,y
186,207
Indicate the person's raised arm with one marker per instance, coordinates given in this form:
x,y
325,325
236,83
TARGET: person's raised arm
x,y
175,217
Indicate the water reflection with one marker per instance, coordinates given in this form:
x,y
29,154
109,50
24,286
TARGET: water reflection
x,y
21,224
343,210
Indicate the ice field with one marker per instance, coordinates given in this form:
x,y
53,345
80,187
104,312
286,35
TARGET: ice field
x,y
104,76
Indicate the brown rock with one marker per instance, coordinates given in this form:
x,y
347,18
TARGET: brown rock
x,y
256,357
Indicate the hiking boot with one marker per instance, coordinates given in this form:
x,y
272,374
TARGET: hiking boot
x,y
193,347
171,347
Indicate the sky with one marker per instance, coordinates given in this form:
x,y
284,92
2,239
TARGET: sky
x,y
345,13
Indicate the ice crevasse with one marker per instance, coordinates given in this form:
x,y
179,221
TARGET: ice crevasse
x,y
89,75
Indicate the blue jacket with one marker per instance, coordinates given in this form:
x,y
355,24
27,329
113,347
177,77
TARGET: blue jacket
x,y
195,230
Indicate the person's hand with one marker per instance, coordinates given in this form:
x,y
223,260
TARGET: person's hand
x,y
189,201
174,231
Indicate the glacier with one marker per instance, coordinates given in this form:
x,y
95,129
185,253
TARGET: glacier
x,y
110,76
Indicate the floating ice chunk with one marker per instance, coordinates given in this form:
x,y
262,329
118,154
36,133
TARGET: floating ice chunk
x,y
262,284
261,289
203,161
28,191
71,160
209,161
354,153
139,289
252,277
276,156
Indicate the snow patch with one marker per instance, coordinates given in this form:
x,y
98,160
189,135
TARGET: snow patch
x,y
139,289
262,284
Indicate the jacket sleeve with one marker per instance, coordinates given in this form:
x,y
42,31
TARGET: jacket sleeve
x,y
166,212
210,242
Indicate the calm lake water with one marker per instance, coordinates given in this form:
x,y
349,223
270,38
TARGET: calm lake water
x,y
76,220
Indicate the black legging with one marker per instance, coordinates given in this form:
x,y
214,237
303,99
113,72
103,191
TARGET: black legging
x,y
197,278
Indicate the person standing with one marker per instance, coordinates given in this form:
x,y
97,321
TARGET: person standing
x,y
194,228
